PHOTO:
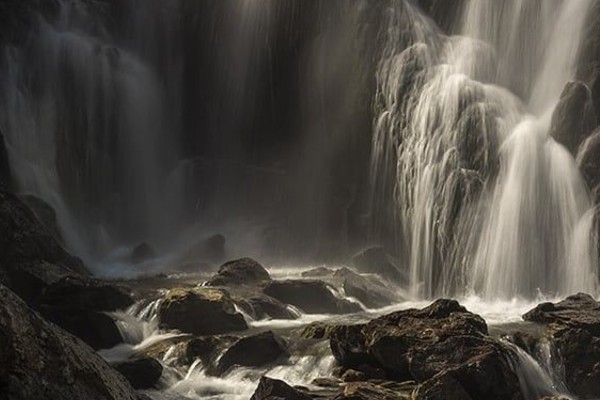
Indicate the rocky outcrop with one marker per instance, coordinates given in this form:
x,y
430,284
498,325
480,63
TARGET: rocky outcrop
x,y
142,373
376,261
271,389
574,117
200,311
573,326
419,345
41,361
312,297
254,351
244,271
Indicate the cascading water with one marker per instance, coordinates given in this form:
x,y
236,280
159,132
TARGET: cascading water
x,y
487,201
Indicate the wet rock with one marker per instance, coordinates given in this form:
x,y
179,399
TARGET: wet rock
x,y
200,311
254,351
576,311
44,212
419,344
97,329
574,117
317,330
261,307
85,293
588,159
573,326
208,349
376,261
312,297
271,389
142,373
367,289
141,253
442,387
244,271
41,361
363,373
30,257
370,391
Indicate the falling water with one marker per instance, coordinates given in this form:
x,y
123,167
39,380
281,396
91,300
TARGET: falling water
x,y
487,202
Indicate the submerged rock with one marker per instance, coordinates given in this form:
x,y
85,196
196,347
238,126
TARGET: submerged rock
x,y
420,344
376,261
41,361
200,311
254,351
244,271
261,307
312,297
142,373
271,389
573,326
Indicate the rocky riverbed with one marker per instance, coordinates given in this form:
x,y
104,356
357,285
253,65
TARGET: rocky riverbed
x,y
246,331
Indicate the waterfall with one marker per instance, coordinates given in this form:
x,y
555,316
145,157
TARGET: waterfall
x,y
486,201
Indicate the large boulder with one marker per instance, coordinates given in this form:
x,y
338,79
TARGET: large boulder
x,y
419,344
376,261
30,257
200,311
41,361
244,271
271,389
311,296
588,159
574,117
142,373
254,351
573,326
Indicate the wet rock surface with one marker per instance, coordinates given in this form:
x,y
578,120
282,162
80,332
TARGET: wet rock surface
x,y
271,389
142,373
311,296
421,344
369,290
261,307
200,311
244,271
573,326
254,351
41,361
375,260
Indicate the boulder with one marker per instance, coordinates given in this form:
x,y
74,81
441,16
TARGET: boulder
x,y
95,328
271,389
375,260
573,326
367,289
311,296
142,373
41,361
317,330
200,311
244,271
318,272
442,387
86,293
574,117
261,307
141,253
30,257
419,344
254,351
